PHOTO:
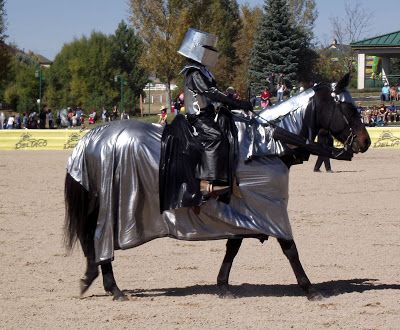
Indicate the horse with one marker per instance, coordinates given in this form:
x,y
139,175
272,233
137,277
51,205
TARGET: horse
x,y
111,185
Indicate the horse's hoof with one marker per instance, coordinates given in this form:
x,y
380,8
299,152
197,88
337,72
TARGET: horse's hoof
x,y
87,281
121,297
85,285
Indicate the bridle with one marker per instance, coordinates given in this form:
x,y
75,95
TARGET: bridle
x,y
341,98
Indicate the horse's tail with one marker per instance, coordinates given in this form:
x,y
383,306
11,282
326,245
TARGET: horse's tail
x,y
78,222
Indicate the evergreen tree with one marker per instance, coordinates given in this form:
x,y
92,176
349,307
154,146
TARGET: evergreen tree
x,y
250,18
276,48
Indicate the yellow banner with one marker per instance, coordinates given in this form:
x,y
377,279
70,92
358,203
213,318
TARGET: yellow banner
x,y
39,139
64,139
381,137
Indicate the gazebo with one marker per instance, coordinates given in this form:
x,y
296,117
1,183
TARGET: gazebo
x,y
374,54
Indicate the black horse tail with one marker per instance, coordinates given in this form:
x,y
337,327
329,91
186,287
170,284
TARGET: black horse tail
x,y
79,219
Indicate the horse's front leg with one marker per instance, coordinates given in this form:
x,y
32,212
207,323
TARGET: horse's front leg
x,y
109,282
232,248
290,250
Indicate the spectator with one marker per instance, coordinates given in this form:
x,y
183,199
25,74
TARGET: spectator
x,y
385,92
163,116
398,92
78,114
381,115
293,91
391,112
366,116
393,93
360,109
42,119
10,122
280,91
325,138
115,113
18,121
25,120
265,98
92,117
50,118
2,120
124,115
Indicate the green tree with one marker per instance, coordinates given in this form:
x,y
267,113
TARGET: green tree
x,y
82,74
276,48
161,24
250,18
126,53
22,92
5,56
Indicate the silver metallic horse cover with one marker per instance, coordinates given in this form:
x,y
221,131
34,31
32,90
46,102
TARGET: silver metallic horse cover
x,y
118,163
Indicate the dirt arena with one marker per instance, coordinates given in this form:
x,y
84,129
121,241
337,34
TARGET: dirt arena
x,y
346,226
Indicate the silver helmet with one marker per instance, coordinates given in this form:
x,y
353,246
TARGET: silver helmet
x,y
200,47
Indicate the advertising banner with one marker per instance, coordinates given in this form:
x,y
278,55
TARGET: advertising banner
x,y
39,139
381,137
64,139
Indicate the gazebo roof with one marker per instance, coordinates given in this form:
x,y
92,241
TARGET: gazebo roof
x,y
385,40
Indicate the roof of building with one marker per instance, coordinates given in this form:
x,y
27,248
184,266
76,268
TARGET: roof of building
x,y
385,40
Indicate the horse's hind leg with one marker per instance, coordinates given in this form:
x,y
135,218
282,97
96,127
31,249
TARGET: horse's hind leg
x,y
232,248
109,282
290,250
91,273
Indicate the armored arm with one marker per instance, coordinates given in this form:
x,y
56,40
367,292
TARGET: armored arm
x,y
214,94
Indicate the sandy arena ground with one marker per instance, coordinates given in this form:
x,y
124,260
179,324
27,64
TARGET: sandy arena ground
x,y
346,226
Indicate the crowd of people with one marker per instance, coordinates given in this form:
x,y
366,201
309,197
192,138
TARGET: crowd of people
x,y
390,93
64,118
379,115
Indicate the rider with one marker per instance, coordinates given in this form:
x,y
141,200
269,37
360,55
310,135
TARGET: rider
x,y
202,99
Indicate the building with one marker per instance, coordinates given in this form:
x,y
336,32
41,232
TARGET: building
x,y
374,56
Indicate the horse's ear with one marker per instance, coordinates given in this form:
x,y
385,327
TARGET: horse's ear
x,y
343,83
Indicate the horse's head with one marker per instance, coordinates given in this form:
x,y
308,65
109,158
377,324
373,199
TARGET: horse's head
x,y
337,113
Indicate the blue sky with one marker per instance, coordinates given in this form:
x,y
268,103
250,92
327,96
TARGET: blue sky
x,y
43,26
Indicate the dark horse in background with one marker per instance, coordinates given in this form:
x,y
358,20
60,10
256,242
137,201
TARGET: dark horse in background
x,y
111,187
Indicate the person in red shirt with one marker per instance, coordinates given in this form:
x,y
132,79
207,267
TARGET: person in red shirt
x,y
265,98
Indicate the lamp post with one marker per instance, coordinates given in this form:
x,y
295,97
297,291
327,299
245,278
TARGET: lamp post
x,y
122,83
38,74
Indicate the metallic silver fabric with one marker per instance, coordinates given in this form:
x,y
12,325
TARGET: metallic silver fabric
x,y
200,46
118,163
256,139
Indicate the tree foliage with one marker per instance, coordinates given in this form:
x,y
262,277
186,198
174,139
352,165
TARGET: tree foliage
x,y
250,18
83,73
5,56
276,48
23,91
163,23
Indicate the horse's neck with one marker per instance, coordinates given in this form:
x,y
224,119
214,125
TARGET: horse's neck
x,y
291,114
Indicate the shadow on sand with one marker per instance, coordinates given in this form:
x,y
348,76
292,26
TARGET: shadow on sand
x,y
327,289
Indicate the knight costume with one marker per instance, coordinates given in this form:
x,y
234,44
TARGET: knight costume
x,y
203,101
